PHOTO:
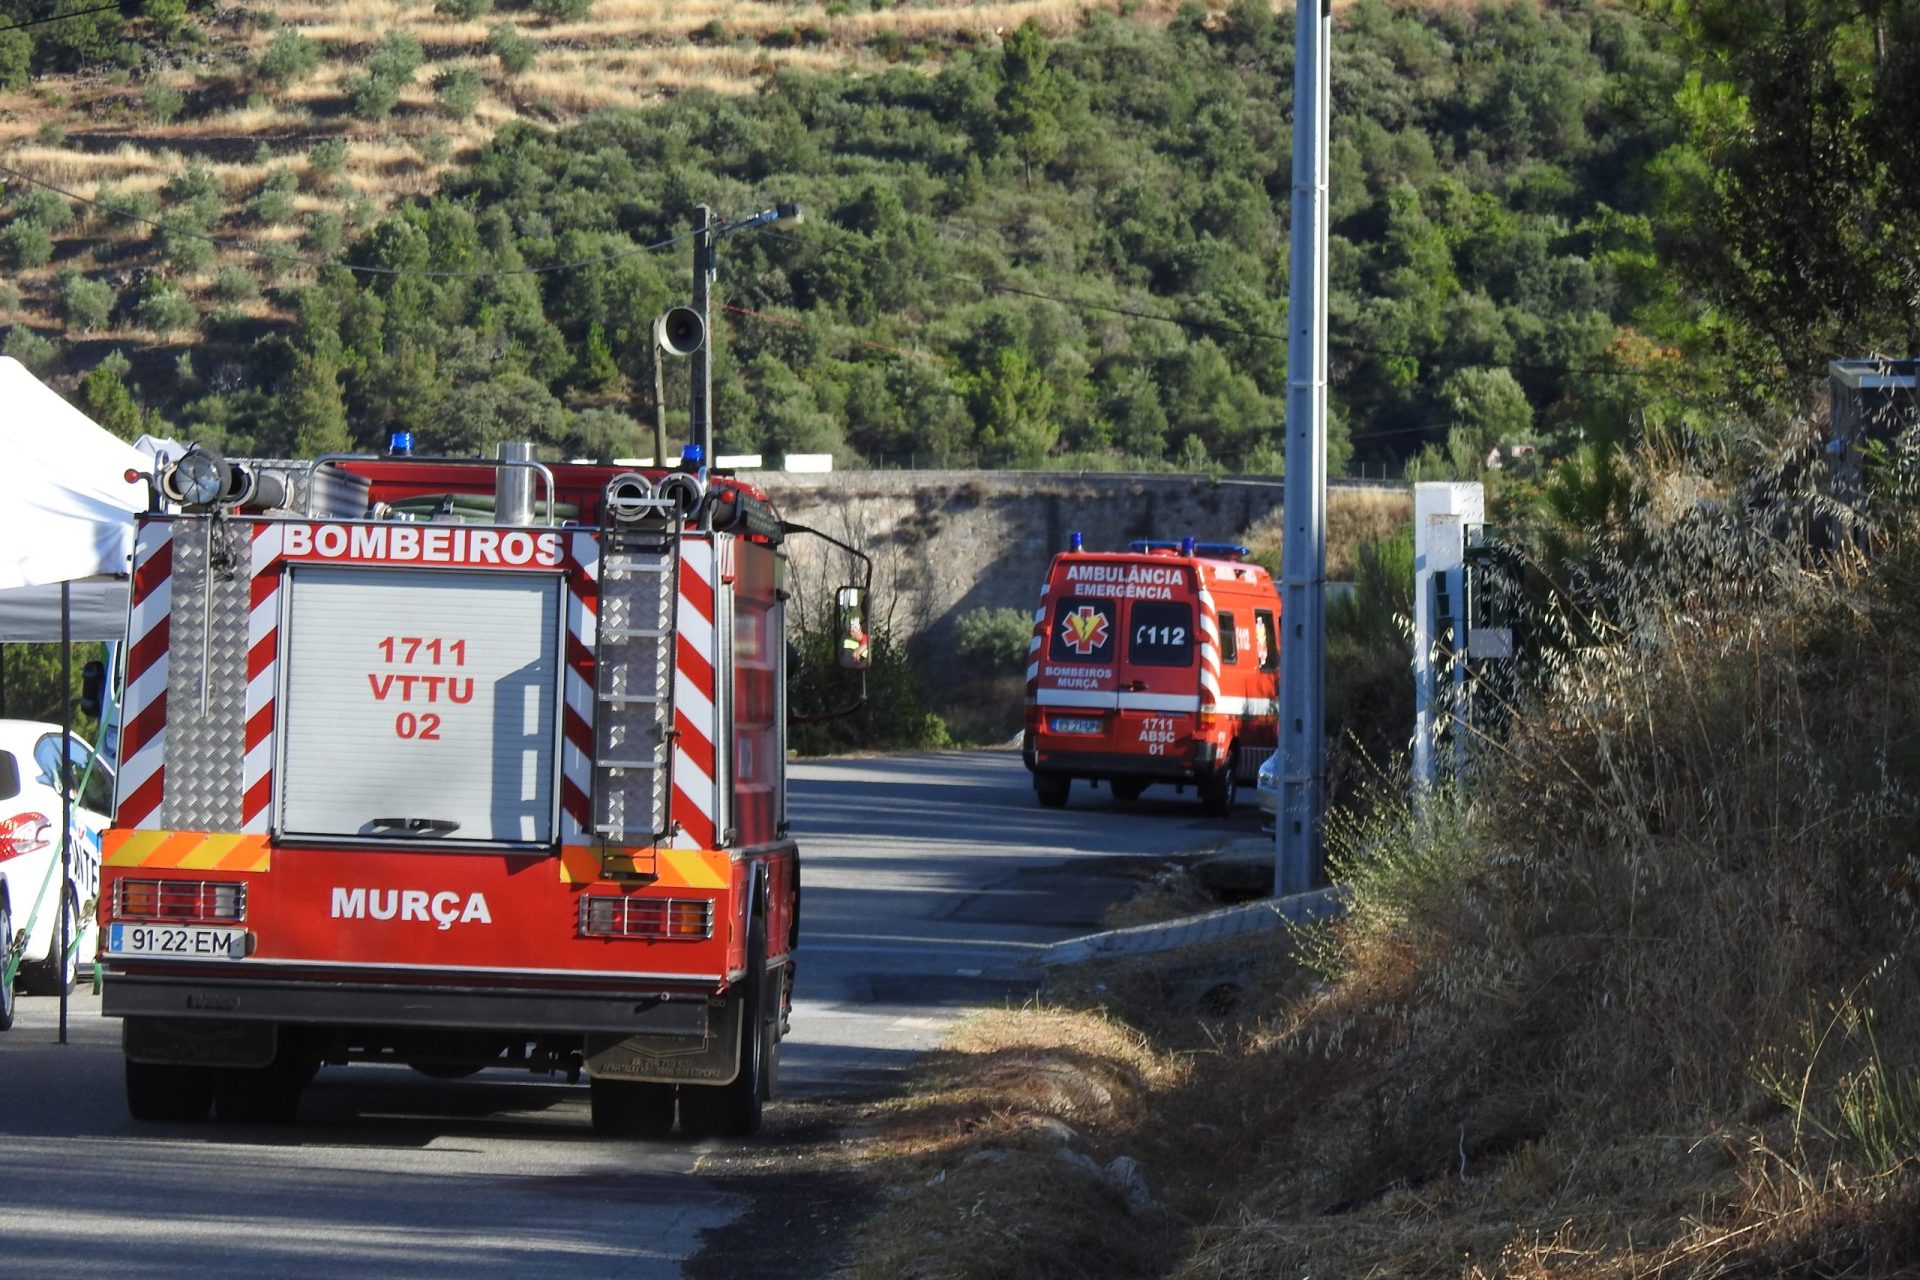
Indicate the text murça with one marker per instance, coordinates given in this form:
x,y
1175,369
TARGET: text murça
x,y
423,544
444,909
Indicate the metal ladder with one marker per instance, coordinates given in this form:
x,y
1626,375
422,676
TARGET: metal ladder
x,y
633,681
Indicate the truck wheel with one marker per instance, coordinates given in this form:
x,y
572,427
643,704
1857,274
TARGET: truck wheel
x,y
258,1095
630,1108
1219,793
57,974
733,1110
1050,789
6,952
168,1092
1127,788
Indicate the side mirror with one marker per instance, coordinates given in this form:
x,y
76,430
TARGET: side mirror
x,y
93,687
853,650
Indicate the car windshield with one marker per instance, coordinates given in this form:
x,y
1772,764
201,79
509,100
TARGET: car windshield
x,y
93,786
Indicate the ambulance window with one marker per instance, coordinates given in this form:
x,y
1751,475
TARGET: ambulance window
x,y
1229,639
1263,640
1083,628
1162,634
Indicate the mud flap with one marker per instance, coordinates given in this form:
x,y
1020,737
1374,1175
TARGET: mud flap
x,y
196,1042
710,1059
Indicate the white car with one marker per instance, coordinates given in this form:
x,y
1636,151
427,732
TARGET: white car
x,y
31,901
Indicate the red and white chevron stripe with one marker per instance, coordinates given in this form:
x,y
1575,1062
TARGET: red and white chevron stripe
x,y
695,793
1209,644
263,674
577,684
1037,644
143,728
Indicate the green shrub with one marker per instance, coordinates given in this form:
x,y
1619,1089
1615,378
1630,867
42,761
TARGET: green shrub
x,y
196,193
896,715
514,50
325,162
129,210
435,148
465,10
324,236
9,295
48,208
30,349
397,56
166,309
289,58
235,284
458,91
163,101
995,639
186,246
563,10
26,243
273,203
374,97
85,304
16,58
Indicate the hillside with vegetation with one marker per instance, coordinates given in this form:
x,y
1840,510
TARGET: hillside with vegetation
x,y
1637,997
1034,236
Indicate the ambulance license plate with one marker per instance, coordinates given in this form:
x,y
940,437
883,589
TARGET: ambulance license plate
x,y
184,942
1073,724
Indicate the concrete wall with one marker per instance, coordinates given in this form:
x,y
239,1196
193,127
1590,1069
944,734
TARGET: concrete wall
x,y
945,543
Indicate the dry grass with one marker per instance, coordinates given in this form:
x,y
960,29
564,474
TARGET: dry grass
x,y
1356,515
1641,1003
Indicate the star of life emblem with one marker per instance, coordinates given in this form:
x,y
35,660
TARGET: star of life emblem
x,y
1084,630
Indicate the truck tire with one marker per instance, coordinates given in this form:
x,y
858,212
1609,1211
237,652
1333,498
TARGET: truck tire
x,y
258,1095
1219,793
630,1108
1128,788
167,1092
6,951
733,1110
1050,789
57,974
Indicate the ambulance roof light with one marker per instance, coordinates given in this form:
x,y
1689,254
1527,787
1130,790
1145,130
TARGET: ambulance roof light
x,y
1186,545
1074,540
692,457
1222,550
400,444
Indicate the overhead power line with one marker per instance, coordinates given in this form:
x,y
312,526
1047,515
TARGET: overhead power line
x,y
60,17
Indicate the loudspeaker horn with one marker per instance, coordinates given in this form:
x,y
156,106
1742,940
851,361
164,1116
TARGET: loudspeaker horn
x,y
680,332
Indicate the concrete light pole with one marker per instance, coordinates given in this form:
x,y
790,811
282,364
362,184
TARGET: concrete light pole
x,y
1299,828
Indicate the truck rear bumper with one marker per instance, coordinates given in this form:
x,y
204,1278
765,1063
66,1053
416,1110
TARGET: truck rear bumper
x,y
660,1013
1102,764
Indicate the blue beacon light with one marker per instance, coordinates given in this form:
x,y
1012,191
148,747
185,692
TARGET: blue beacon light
x,y
1074,540
400,444
1186,545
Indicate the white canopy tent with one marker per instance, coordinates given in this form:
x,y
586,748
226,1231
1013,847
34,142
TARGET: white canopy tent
x,y
66,514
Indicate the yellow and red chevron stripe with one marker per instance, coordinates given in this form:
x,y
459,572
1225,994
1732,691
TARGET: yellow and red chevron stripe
x,y
669,868
186,850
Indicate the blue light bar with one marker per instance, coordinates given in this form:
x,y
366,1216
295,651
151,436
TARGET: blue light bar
x,y
400,444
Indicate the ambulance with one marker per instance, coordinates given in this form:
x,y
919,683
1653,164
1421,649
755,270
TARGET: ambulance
x,y
1157,664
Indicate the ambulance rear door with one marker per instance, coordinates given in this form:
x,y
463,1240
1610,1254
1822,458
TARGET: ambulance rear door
x,y
1077,681
1158,688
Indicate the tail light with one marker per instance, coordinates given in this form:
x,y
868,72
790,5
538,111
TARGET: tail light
x,y
631,916
23,833
212,901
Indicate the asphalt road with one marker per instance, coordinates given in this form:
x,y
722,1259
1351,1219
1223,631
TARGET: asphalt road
x,y
927,881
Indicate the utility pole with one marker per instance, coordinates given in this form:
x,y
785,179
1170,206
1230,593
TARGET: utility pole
x,y
1298,831
700,409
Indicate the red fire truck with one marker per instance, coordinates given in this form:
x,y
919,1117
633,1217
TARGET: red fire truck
x,y
426,763
1156,664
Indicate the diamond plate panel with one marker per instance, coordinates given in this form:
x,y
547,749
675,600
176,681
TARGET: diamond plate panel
x,y
633,682
206,722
